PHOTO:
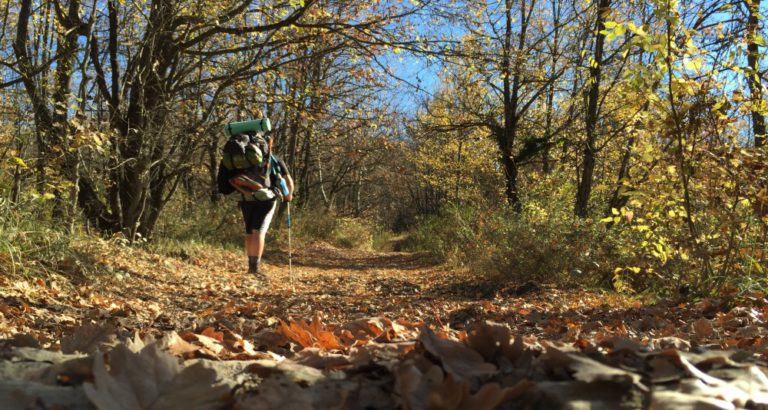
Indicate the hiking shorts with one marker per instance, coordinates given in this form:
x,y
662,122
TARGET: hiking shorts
x,y
257,215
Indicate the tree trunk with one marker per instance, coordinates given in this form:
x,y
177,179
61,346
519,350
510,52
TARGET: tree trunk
x,y
51,123
590,151
506,138
546,160
753,61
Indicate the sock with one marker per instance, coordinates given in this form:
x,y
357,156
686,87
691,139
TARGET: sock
x,y
253,264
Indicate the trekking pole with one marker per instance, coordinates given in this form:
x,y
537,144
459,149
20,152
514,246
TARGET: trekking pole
x,y
290,261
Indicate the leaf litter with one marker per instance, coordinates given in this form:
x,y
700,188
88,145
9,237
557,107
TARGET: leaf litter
x,y
203,335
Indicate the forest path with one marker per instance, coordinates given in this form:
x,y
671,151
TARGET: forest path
x,y
136,290
399,329
336,285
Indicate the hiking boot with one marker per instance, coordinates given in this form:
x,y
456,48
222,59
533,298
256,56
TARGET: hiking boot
x,y
256,269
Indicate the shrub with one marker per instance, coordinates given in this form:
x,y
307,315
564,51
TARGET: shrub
x,y
188,219
449,235
31,242
532,245
343,232
352,233
313,224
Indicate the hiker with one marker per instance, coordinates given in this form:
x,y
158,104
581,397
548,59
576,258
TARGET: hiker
x,y
260,185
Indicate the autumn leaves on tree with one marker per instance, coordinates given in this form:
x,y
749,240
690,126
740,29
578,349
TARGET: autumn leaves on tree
x,y
644,120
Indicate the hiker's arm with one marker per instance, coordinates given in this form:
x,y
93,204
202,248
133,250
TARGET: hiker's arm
x,y
289,182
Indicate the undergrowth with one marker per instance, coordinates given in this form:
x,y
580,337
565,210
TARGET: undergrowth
x,y
30,242
547,244
342,232
189,225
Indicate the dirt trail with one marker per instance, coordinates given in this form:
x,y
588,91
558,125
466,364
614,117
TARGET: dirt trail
x,y
387,330
189,292
337,285
146,291
143,291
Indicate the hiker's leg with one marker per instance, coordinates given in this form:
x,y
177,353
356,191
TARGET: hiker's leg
x,y
259,238
252,245
261,234
252,249
251,235
258,216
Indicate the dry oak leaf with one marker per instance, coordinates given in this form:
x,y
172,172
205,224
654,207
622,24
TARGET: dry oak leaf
x,y
414,382
588,370
213,334
490,339
365,329
703,328
277,393
623,344
749,385
424,386
88,338
240,347
211,348
454,395
177,346
152,379
297,332
310,335
320,359
672,400
269,339
299,373
458,360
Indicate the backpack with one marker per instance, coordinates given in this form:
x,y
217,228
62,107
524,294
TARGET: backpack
x,y
241,153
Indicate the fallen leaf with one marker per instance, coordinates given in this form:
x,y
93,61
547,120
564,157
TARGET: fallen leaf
x,y
88,338
152,379
320,359
490,339
277,393
177,346
587,370
310,335
457,359
703,328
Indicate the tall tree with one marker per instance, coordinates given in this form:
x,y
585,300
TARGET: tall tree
x,y
754,39
592,111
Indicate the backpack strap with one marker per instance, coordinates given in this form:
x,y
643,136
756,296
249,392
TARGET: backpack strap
x,y
274,164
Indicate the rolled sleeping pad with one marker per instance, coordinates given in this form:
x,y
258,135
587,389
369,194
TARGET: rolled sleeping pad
x,y
244,184
244,127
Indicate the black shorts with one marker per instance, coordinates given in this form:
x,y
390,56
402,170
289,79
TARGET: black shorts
x,y
257,215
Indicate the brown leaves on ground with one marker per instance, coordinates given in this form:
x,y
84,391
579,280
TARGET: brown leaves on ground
x,y
151,379
444,369
457,359
310,335
386,331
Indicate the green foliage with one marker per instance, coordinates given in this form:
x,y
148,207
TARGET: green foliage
x,y
195,220
343,232
352,233
448,235
31,243
313,225
543,243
